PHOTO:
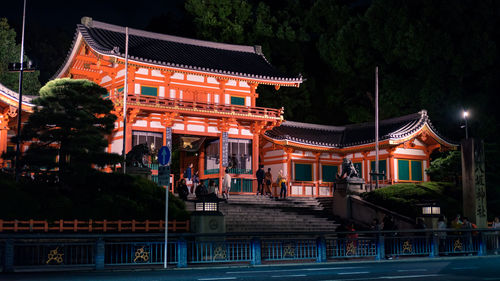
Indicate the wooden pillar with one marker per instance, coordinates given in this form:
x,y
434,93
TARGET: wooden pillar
x,y
255,160
201,162
289,152
221,169
317,155
391,174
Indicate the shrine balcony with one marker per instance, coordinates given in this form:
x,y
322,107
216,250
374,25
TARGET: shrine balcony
x,y
155,103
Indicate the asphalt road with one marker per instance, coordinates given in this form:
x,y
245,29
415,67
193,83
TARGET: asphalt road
x,y
470,269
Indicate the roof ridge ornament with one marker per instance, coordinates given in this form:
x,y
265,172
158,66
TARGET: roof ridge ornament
x,y
87,21
258,50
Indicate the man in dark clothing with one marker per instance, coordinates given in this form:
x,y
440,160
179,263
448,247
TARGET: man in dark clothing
x,y
183,190
201,191
260,174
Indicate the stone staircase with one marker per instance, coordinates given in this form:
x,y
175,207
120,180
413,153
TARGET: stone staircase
x,y
250,213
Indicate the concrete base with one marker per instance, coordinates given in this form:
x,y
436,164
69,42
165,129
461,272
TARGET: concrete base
x,y
139,171
206,223
341,200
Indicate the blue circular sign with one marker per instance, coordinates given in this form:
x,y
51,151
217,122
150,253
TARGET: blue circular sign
x,y
164,155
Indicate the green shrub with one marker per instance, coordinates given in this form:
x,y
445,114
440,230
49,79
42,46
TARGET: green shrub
x,y
96,196
404,198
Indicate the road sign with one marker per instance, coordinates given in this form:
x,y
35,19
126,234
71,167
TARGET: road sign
x,y
164,176
164,155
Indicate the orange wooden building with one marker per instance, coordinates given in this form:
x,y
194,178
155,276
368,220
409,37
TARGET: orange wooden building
x,y
9,103
194,93
311,155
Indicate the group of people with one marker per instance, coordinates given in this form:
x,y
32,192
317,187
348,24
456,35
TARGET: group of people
x,y
265,181
192,184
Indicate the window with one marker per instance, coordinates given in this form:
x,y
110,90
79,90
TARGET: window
x,y
149,91
237,100
409,170
239,153
303,172
329,173
382,166
359,168
149,138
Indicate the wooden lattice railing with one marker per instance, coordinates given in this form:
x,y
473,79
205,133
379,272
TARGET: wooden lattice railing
x,y
161,102
92,226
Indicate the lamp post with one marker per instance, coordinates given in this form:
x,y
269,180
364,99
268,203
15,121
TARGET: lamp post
x,y
466,115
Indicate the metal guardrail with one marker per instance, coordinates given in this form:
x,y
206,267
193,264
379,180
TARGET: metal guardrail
x,y
91,225
125,250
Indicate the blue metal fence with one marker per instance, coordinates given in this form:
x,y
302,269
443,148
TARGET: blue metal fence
x,y
219,251
103,250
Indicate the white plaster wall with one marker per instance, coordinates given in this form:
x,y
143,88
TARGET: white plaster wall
x,y
410,151
227,99
244,84
246,132
216,98
105,79
418,142
156,124
137,88
161,91
178,126
231,83
195,128
142,71
213,129
208,97
395,165
120,73
177,75
212,80
172,93
117,146
248,102
141,123
275,153
309,154
156,73
233,131
275,169
195,78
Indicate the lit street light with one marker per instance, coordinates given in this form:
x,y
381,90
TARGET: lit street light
x,y
466,115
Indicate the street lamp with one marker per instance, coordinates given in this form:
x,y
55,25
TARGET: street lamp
x,y
466,115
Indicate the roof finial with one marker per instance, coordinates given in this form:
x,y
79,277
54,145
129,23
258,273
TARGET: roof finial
x,y
258,50
87,21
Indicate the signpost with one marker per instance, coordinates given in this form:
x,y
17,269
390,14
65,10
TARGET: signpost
x,y
225,149
164,180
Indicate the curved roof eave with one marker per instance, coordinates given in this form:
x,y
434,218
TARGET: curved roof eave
x,y
12,98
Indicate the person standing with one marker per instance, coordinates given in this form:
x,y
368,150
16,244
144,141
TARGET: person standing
x,y
282,183
226,185
188,175
260,174
268,180
441,225
183,190
196,181
496,225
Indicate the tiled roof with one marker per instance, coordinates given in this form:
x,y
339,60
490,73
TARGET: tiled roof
x,y
4,91
351,135
190,54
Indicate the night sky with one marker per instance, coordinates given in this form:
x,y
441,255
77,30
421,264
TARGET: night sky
x,y
66,14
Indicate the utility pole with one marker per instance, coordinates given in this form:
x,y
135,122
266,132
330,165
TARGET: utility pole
x,y
19,107
125,94
376,128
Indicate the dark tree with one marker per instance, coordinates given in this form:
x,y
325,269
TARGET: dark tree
x,y
70,125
